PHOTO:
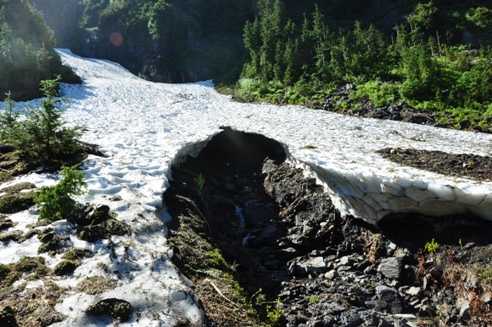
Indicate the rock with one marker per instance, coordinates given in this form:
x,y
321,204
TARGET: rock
x,y
390,296
413,291
391,267
385,293
351,319
333,308
257,213
89,214
312,265
331,275
116,308
266,236
177,296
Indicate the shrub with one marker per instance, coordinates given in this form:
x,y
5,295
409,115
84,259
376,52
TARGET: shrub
x,y
42,137
56,201
380,93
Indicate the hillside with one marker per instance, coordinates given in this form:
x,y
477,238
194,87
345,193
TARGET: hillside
x,y
27,53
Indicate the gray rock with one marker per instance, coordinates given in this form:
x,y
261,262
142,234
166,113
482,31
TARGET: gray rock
x,y
331,275
311,265
267,234
333,308
386,293
391,267
351,319
257,213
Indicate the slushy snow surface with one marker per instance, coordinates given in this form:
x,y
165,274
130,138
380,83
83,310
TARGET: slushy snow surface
x,y
145,127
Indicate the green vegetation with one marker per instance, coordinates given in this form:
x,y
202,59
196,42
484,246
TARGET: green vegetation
x,y
200,180
431,246
27,53
56,201
420,60
274,313
65,267
42,137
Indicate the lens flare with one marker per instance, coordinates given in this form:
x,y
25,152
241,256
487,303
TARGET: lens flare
x,y
116,38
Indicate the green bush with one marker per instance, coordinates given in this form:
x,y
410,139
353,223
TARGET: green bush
x,y
380,93
42,137
56,201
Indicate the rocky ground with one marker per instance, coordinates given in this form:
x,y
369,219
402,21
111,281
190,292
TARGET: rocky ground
x,y
265,246
338,100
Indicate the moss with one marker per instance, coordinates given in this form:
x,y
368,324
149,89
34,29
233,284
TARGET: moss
x,y
4,271
95,285
216,260
11,236
15,202
76,254
6,223
116,308
65,267
32,265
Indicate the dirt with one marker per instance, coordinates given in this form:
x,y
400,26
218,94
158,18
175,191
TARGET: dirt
x,y
460,165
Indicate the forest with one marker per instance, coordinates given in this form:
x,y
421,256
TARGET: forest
x,y
433,55
27,53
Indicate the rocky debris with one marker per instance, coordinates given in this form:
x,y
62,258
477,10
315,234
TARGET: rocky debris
x,y
95,222
116,308
461,165
400,111
316,268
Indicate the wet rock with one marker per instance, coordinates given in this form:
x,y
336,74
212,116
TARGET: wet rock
x,y
268,233
116,308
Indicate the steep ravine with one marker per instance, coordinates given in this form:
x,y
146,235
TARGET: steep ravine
x,y
264,244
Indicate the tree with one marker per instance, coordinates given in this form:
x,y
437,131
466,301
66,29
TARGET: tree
x,y
42,137
56,202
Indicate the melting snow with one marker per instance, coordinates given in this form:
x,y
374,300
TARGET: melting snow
x,y
145,127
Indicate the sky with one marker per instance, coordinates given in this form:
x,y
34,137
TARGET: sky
x,y
145,127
